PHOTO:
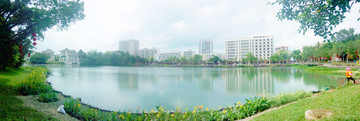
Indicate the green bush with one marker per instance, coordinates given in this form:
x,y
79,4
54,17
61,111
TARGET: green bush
x,y
48,97
72,107
238,111
35,83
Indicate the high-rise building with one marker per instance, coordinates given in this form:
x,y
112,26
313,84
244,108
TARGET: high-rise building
x,y
145,53
130,46
260,46
188,54
205,47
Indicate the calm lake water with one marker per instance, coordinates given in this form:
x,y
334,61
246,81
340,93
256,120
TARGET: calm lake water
x,y
124,88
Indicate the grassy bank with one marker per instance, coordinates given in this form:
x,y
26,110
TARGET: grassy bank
x,y
322,70
344,103
12,108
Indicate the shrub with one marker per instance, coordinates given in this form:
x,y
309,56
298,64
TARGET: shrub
x,y
35,83
48,97
72,107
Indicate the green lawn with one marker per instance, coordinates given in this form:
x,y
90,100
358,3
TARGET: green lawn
x,y
344,103
11,108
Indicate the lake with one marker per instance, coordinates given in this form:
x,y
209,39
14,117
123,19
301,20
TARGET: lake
x,y
139,88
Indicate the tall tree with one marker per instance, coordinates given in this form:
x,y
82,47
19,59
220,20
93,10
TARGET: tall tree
x,y
322,16
23,21
214,59
296,54
39,58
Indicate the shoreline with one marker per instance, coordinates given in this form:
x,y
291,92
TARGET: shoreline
x,y
104,110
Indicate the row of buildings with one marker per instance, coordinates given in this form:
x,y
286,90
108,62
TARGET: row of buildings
x,y
132,47
261,47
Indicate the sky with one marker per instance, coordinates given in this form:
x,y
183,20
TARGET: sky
x,y
178,25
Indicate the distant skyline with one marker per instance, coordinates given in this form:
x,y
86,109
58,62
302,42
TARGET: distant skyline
x,y
178,25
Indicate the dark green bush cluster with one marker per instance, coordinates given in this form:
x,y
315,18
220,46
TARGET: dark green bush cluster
x,y
35,83
48,97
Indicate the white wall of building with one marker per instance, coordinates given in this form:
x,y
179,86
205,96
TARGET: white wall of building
x,y
260,46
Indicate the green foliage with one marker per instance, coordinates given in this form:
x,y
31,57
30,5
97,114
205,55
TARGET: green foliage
x,y
238,111
39,58
346,49
322,15
35,83
214,59
117,58
48,97
72,107
296,54
196,59
282,99
250,58
11,107
172,59
20,19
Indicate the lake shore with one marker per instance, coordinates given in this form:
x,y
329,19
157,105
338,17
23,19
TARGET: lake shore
x,y
32,102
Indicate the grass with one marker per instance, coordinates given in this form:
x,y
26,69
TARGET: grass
x,y
11,108
321,69
344,103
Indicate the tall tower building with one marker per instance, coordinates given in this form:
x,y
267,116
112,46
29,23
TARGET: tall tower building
x,y
206,47
130,46
261,47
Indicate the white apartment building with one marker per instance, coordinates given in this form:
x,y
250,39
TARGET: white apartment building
x,y
146,53
260,46
130,46
188,54
164,56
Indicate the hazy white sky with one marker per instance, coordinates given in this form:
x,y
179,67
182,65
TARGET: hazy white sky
x,y
178,25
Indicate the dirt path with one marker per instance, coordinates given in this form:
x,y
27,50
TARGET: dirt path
x,y
46,108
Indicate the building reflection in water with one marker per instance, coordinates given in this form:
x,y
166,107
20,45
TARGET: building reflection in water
x,y
249,81
128,80
206,79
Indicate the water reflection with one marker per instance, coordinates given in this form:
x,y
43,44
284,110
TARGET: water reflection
x,y
249,81
122,88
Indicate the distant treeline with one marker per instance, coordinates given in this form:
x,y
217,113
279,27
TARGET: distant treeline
x,y
116,58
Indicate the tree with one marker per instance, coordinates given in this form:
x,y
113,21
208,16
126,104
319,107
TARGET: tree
x,y
39,58
183,59
214,59
344,34
296,54
322,16
250,58
172,59
22,22
196,58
